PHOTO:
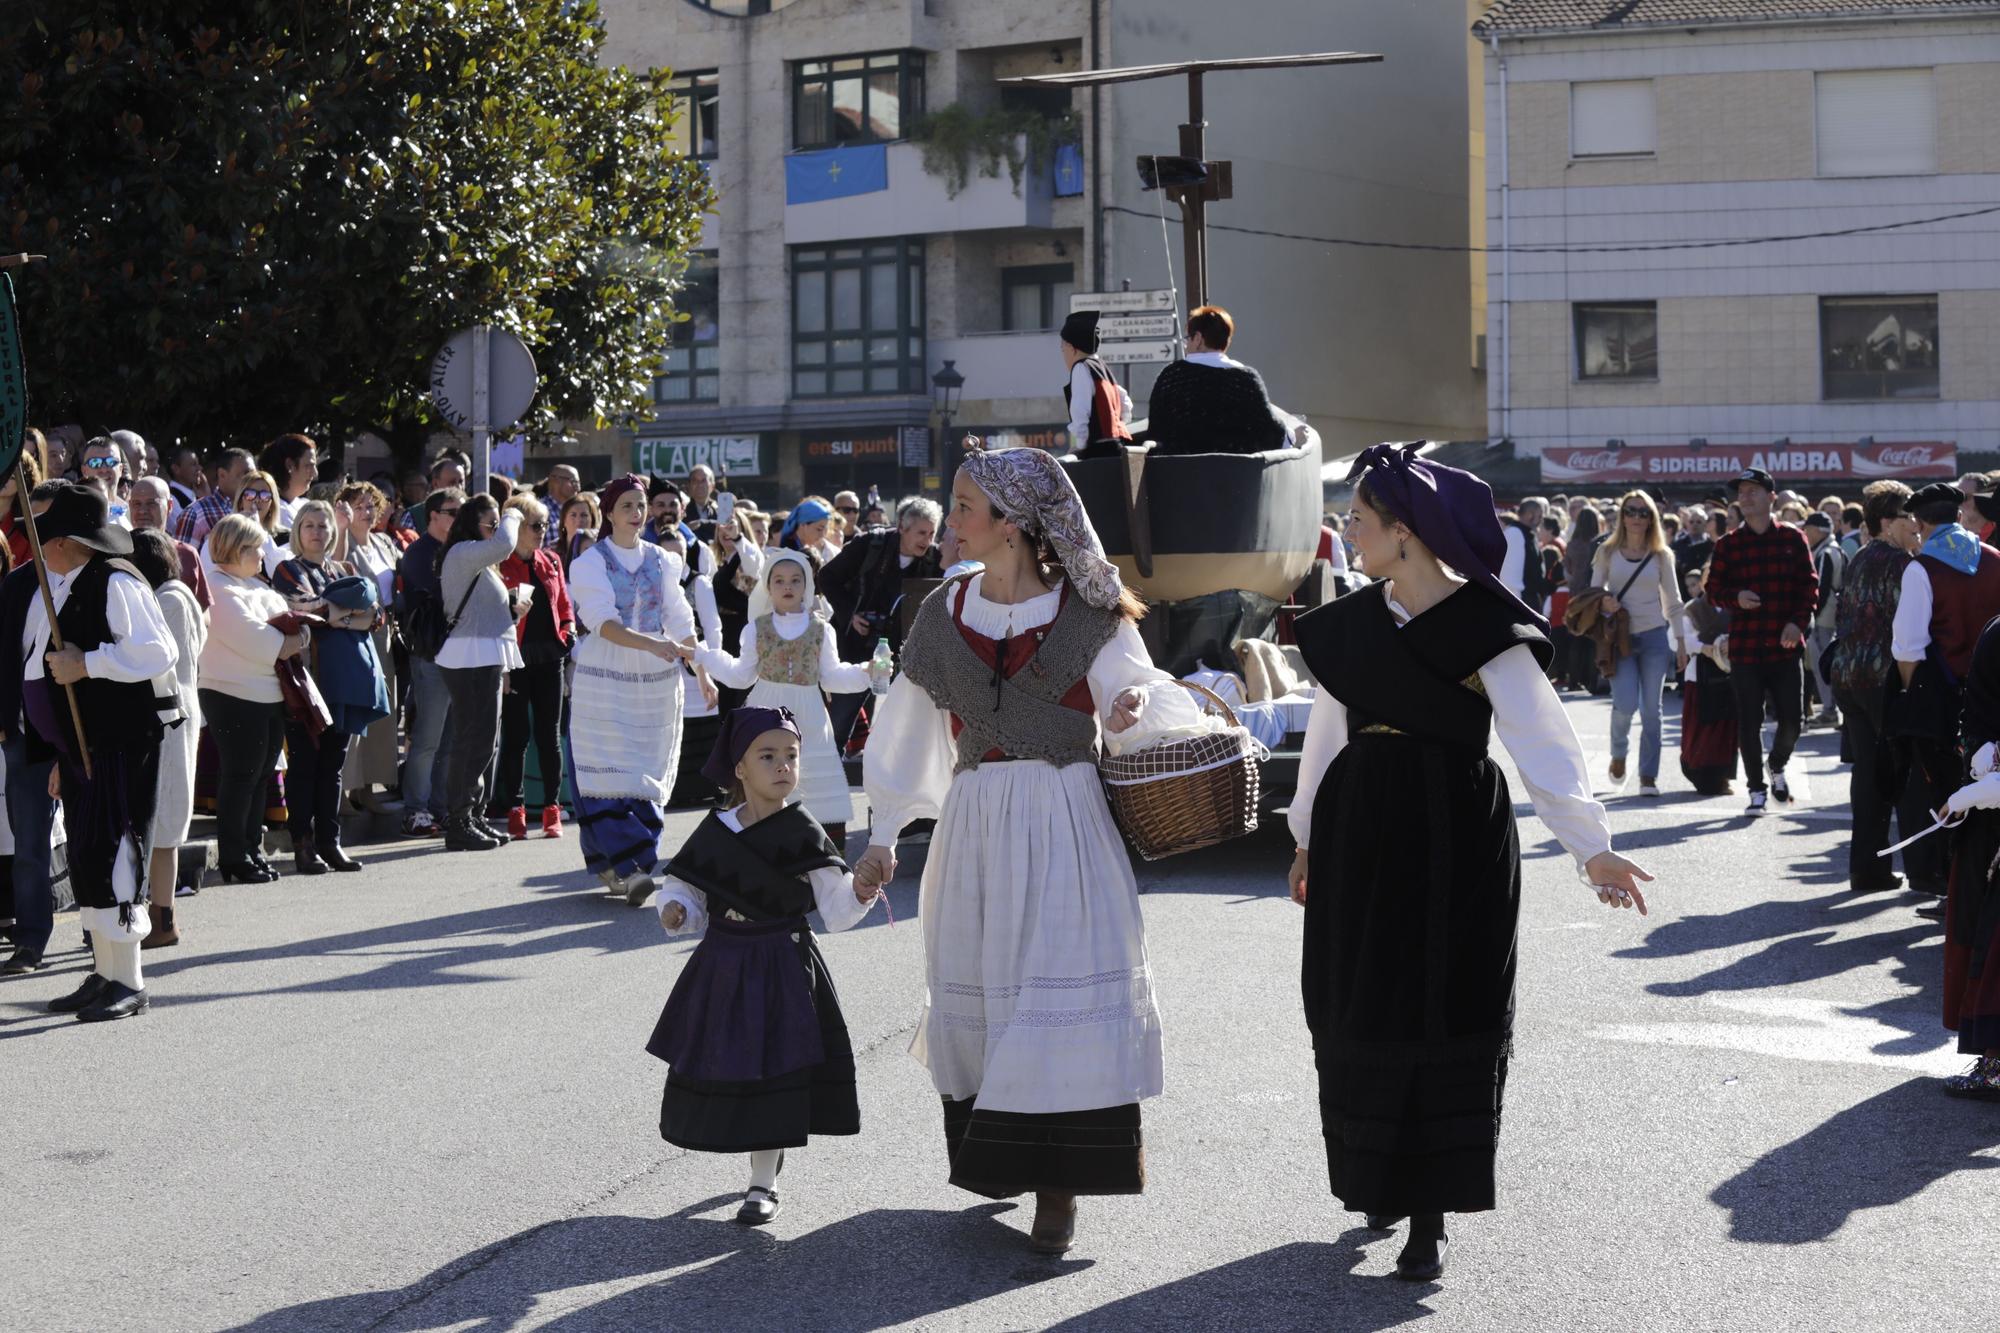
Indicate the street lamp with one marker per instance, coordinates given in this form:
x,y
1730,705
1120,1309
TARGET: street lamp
x,y
945,387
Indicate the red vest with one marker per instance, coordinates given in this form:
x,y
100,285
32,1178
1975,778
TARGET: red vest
x,y
1961,604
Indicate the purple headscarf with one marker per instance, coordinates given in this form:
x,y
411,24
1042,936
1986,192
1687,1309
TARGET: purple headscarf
x,y
740,731
1450,510
610,495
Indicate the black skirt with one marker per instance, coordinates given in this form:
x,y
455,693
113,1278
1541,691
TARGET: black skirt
x,y
1001,1154
760,1114
1414,882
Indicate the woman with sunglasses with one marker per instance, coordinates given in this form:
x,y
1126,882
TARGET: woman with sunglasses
x,y
533,705
257,500
1635,566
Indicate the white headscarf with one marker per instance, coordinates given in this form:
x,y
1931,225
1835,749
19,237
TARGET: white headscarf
x,y
1034,491
760,596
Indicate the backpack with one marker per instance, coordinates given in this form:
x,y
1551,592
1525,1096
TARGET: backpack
x,y
424,625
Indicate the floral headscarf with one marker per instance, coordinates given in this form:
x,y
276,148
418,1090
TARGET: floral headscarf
x,y
1033,490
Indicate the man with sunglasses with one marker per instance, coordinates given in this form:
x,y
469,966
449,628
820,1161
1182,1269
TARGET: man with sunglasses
x,y
430,704
102,466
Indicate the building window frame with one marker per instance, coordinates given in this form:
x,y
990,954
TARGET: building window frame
x,y
1641,361
1617,154
692,369
1822,113
1050,278
879,353
697,91
1857,321
816,94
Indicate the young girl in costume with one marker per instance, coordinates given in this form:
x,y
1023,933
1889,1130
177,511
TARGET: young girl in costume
x,y
757,1051
789,655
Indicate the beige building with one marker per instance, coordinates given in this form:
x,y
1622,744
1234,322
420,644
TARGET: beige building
x,y
822,310
1676,123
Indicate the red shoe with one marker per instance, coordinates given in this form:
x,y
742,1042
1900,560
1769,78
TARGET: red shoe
x,y
551,821
517,823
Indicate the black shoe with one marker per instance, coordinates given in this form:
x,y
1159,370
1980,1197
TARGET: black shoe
x,y
462,836
22,962
117,1000
244,872
760,1207
1422,1260
491,830
339,860
1932,910
270,871
1382,1221
82,997
1892,884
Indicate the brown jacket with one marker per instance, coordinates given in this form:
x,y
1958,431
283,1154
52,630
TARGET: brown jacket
x,y
1612,634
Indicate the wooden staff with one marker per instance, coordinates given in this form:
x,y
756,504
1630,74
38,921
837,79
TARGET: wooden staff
x,y
49,606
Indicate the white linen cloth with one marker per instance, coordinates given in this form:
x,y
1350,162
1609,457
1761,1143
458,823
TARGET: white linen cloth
x,y
1910,631
174,791
833,892
625,703
1532,725
822,778
708,629
1039,993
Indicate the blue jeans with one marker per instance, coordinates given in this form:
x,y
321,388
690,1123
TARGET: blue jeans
x,y
32,815
1635,688
424,766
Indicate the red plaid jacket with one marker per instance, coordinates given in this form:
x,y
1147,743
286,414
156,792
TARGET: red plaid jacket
x,y
1777,565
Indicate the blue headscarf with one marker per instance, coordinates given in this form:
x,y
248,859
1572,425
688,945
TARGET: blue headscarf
x,y
1954,546
807,511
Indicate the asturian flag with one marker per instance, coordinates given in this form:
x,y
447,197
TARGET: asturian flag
x,y
836,173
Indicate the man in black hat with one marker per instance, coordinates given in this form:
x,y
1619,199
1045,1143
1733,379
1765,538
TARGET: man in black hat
x,y
115,647
1098,405
1762,573
1949,593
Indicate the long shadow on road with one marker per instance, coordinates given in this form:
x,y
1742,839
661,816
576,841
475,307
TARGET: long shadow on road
x,y
1872,1155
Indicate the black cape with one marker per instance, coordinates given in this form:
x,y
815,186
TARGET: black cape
x,y
760,872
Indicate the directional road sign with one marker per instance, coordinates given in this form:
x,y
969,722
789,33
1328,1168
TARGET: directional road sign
x,y
1115,303
1127,353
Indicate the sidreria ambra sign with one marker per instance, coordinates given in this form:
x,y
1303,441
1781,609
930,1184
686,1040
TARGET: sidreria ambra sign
x,y
1666,464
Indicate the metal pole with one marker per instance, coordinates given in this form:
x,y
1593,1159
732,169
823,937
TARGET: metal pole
x,y
1194,208
21,489
482,407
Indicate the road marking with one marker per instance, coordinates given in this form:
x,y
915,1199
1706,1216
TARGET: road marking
x,y
1816,1030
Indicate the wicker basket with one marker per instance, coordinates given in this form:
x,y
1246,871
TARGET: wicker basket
x,y
1186,794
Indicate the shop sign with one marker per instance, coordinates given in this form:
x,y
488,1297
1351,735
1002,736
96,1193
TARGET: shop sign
x,y
846,448
1666,464
1052,438
676,456
916,441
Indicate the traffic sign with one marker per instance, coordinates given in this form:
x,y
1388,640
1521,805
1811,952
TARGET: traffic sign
x,y
510,384
1156,324
1112,303
1128,353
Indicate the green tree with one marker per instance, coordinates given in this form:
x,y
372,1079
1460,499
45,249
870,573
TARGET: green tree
x,y
263,215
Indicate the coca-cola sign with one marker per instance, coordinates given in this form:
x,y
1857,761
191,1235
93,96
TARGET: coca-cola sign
x,y
1666,464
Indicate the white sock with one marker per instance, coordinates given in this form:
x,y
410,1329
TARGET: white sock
x,y
764,1168
98,951
121,964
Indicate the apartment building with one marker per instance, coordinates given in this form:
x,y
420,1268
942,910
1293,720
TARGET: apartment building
x,y
840,272
1872,349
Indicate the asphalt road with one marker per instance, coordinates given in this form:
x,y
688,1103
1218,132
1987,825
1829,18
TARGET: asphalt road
x,y
417,1099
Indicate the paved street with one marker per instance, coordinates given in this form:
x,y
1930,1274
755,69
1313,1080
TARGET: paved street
x,y
417,1099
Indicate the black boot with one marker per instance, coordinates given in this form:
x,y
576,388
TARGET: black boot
x,y
304,859
1422,1260
462,835
338,858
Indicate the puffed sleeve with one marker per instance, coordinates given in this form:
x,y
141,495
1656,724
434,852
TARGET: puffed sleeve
x,y
833,890
141,646
738,671
1326,737
906,769
836,676
692,900
677,616
1538,734
590,589
1124,663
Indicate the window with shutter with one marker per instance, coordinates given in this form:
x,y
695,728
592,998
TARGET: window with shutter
x,y
1613,118
1876,122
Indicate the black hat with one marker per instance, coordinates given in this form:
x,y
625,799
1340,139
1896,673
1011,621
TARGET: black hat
x,y
1080,330
1934,498
1988,505
1816,519
1756,474
82,514
659,486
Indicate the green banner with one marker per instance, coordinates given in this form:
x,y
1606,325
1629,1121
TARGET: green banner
x,y
13,379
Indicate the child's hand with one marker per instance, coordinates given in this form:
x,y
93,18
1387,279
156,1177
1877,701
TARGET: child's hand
x,y
866,893
673,916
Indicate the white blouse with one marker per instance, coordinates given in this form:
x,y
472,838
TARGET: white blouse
x,y
907,767
597,605
1532,725
833,891
739,672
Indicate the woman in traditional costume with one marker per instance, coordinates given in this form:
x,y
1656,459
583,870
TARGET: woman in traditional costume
x,y
790,653
1406,837
625,699
1972,903
757,1050
1708,701
1040,1030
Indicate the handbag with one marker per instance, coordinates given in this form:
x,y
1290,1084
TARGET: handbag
x,y
1926,709
424,626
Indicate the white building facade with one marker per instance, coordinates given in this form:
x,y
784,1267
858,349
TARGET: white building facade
x,y
1615,126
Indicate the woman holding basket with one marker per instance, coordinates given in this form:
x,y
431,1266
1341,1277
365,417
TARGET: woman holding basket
x,y
1040,1031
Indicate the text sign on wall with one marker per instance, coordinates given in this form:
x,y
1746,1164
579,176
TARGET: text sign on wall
x,y
1665,464
725,455
916,446
840,448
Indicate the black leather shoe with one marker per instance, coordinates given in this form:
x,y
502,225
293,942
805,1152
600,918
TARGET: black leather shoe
x,y
82,997
339,859
116,1001
1382,1221
21,962
244,872
760,1207
462,836
1422,1259
306,860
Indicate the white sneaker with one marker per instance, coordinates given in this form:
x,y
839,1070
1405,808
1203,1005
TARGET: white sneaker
x,y
1648,788
1756,803
1780,789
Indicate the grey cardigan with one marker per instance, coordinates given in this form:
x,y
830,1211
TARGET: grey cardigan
x,y
486,614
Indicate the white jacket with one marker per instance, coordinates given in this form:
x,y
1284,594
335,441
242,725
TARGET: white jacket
x,y
240,657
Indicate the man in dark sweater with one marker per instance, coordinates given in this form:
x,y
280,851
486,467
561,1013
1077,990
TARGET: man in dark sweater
x,y
1210,403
